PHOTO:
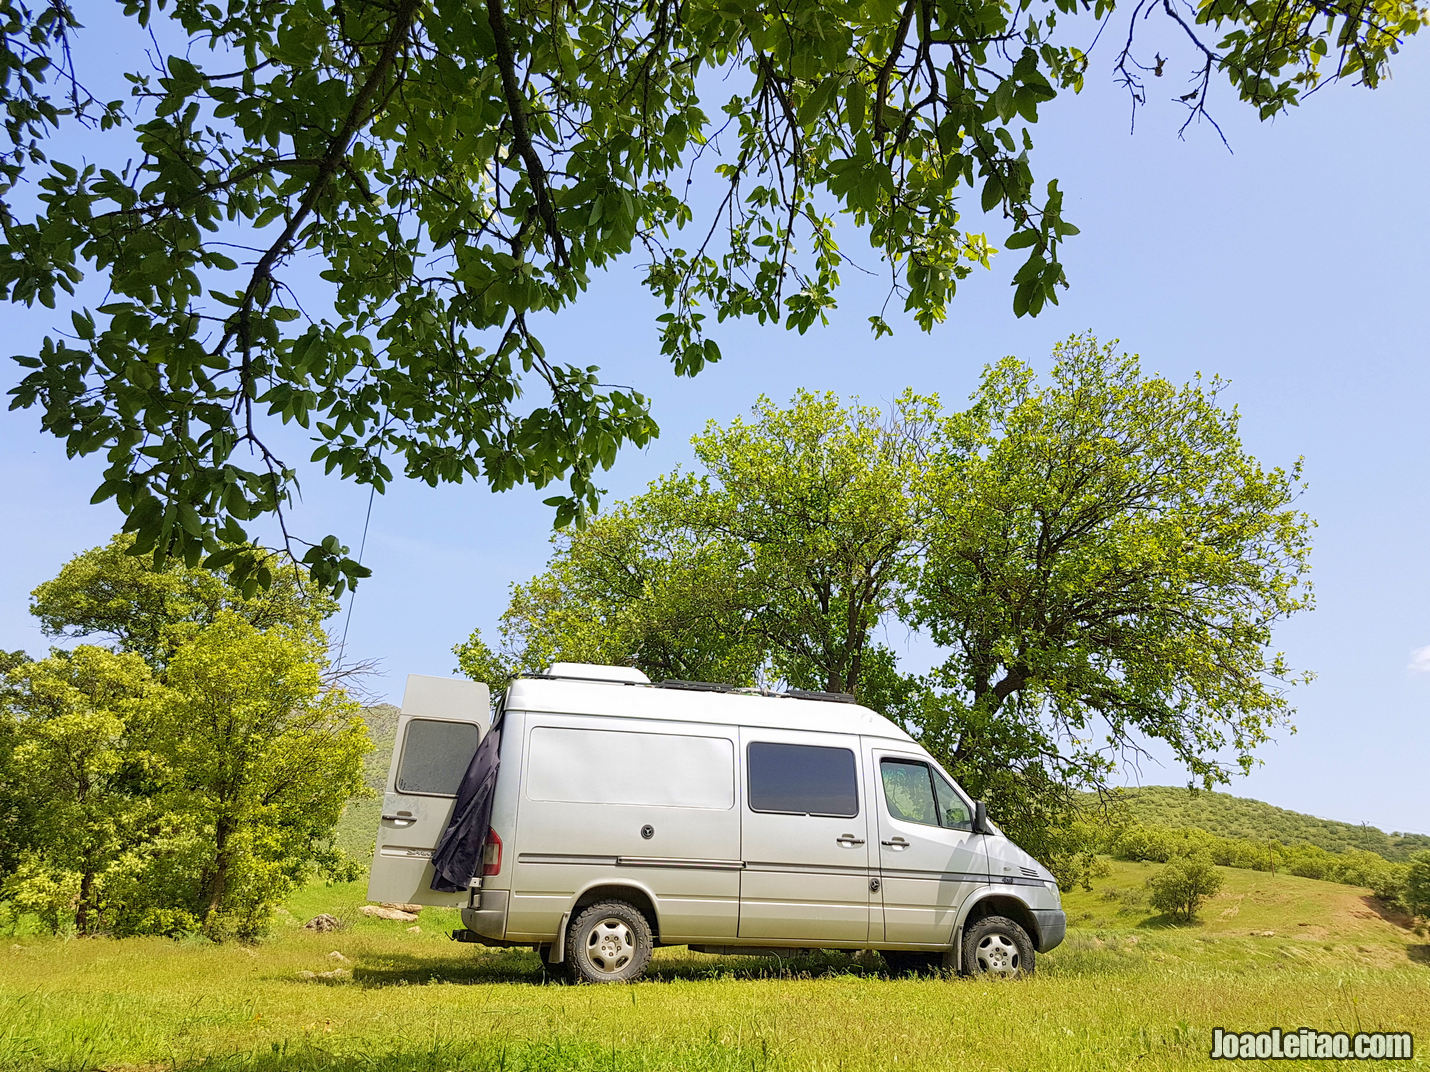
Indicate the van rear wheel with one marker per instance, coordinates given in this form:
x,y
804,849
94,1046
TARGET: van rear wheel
x,y
609,942
997,947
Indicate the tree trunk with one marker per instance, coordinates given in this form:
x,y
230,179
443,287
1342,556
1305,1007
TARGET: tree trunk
x,y
216,881
81,912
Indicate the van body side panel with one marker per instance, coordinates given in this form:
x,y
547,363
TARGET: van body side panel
x,y
806,875
928,872
611,801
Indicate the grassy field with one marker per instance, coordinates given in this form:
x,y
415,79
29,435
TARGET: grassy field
x,y
1124,991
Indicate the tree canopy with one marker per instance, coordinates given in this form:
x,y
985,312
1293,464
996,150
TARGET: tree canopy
x,y
1098,561
457,171
107,592
187,780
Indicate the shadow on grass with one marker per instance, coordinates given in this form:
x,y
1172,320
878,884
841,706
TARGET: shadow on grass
x,y
1420,954
1396,916
512,966
549,1054
1164,922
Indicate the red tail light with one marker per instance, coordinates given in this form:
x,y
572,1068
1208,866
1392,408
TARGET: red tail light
x,y
491,854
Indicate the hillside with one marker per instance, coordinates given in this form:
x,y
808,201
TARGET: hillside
x,y
1240,817
358,826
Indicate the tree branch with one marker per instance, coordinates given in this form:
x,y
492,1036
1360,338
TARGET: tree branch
x,y
520,133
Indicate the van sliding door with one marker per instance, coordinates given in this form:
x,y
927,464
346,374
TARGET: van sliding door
x,y
804,838
442,722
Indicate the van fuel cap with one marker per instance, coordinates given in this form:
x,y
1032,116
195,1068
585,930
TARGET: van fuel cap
x,y
647,831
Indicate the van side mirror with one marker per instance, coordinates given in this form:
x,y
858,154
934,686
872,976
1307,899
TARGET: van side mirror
x,y
980,818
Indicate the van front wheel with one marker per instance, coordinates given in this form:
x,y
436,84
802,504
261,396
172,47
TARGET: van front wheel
x,y
609,942
998,947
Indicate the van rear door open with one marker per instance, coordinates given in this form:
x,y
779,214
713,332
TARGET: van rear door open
x,y
442,722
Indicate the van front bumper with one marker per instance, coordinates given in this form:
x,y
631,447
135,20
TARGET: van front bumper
x,y
1052,928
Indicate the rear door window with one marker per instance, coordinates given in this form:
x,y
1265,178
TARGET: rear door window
x,y
802,779
435,755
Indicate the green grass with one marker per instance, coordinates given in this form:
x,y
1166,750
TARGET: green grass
x,y
1125,991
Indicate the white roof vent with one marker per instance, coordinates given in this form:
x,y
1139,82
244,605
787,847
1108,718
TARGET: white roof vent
x,y
597,672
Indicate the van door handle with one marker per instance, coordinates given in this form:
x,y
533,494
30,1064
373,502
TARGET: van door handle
x,y
896,843
849,841
402,818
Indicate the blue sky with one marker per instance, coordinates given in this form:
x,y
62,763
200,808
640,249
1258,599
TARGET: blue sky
x,y
1298,267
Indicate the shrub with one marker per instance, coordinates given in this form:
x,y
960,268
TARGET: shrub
x,y
1417,885
1180,888
1389,886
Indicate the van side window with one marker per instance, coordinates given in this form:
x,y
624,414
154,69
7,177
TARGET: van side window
x,y
435,755
803,779
914,793
908,791
952,811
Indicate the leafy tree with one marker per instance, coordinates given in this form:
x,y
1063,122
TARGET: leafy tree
x,y
1181,887
78,761
1104,565
148,609
778,560
821,502
263,759
1417,885
1100,560
190,793
458,173
633,587
16,803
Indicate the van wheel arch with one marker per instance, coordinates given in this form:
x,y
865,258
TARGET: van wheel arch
x,y
997,904
635,896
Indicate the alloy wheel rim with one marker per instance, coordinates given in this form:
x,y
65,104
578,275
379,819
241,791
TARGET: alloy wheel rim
x,y
610,945
997,955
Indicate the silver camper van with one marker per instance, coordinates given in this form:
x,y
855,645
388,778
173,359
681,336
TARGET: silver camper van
x,y
608,815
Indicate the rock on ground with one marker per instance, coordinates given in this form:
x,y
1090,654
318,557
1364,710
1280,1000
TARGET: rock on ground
x,y
383,912
336,973
323,922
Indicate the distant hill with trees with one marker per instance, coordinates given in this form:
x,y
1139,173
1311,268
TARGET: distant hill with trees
x,y
1240,817
357,829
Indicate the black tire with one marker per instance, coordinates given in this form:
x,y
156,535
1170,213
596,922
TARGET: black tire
x,y
908,961
559,972
996,946
609,942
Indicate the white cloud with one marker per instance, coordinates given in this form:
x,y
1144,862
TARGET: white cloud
x,y
1420,660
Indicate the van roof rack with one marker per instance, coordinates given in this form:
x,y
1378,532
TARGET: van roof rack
x,y
693,686
815,694
623,676
793,694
